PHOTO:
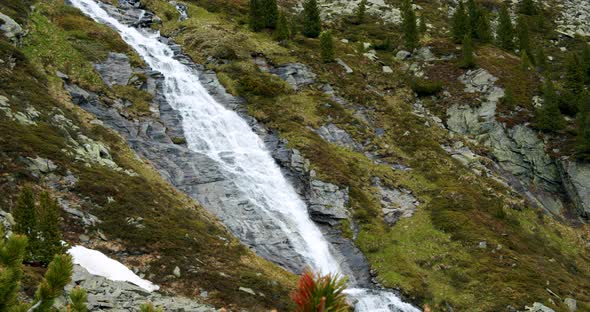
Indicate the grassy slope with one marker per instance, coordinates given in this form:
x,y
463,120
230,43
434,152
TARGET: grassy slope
x,y
178,232
432,256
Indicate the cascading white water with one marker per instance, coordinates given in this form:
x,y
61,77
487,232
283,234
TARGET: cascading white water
x,y
222,135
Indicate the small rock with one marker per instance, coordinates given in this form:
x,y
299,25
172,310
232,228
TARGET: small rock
x,y
176,271
483,245
344,40
247,290
402,55
84,238
538,307
571,304
387,70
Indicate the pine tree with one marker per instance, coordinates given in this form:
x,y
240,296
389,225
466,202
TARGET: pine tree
x,y
270,13
525,61
548,118
422,28
528,7
12,252
24,213
575,75
460,22
58,275
586,61
282,30
256,15
583,131
48,228
523,38
409,25
468,58
361,11
541,58
25,217
312,24
505,31
78,298
473,14
483,28
508,98
327,47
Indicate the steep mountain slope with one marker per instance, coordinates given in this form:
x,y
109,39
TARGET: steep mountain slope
x,y
443,208
112,199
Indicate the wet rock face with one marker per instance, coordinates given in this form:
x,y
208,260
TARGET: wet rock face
x,y
519,152
104,294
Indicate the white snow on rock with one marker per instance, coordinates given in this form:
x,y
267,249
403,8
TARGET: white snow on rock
x,y
97,263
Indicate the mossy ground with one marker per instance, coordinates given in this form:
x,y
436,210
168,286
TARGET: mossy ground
x,y
433,256
177,231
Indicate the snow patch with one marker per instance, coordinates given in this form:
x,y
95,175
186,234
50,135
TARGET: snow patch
x,y
97,263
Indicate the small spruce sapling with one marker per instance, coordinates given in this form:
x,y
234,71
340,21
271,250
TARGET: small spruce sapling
x,y
460,23
505,31
468,57
327,47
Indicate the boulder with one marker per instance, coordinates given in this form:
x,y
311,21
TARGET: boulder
x,y
576,180
104,294
327,202
296,74
538,307
338,136
11,29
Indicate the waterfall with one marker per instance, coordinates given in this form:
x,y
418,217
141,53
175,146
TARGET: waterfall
x,y
225,137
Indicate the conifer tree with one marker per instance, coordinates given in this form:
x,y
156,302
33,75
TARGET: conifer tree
x,y
327,47
586,61
24,213
541,58
460,22
361,11
483,28
78,298
48,228
473,17
270,13
525,61
528,7
468,57
409,25
25,217
311,19
523,38
256,15
575,75
583,128
58,275
505,31
12,252
422,28
548,117
282,30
